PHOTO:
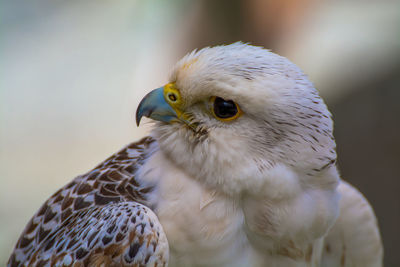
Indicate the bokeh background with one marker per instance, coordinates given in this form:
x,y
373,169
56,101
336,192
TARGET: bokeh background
x,y
73,72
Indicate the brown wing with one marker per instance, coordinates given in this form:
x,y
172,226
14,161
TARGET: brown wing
x,y
116,234
113,181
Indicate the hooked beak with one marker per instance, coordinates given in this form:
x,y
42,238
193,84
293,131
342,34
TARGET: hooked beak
x,y
154,106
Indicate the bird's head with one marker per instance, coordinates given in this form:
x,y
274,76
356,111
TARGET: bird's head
x,y
239,119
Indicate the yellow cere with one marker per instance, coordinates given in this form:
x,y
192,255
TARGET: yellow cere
x,y
173,97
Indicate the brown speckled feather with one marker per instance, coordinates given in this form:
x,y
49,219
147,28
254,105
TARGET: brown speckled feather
x,y
101,217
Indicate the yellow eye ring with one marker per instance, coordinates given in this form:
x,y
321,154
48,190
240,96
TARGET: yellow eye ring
x,y
224,110
172,95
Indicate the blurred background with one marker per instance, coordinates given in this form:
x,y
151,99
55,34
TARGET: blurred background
x,y
73,72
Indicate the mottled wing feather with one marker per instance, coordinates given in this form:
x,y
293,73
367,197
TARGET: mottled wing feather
x,y
113,181
116,234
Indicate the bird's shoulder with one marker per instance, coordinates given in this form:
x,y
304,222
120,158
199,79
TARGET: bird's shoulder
x,y
354,239
112,181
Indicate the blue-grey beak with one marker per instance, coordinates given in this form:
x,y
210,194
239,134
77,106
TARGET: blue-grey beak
x,y
154,106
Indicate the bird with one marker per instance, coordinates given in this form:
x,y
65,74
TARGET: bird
x,y
239,169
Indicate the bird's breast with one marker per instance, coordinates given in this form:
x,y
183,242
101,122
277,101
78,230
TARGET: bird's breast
x,y
208,228
203,227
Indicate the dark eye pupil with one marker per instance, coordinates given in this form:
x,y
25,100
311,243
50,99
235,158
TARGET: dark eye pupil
x,y
224,108
172,97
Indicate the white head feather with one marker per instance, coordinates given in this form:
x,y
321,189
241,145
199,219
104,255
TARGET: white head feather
x,y
282,141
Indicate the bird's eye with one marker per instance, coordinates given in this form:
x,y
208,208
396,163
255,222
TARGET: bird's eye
x,y
224,110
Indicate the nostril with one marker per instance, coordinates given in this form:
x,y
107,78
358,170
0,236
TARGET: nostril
x,y
172,97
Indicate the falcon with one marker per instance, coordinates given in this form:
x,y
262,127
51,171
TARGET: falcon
x,y
239,170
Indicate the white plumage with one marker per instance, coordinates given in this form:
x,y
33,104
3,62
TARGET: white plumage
x,y
240,170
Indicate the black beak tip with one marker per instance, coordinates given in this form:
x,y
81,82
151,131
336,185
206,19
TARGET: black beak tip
x,y
140,112
138,117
